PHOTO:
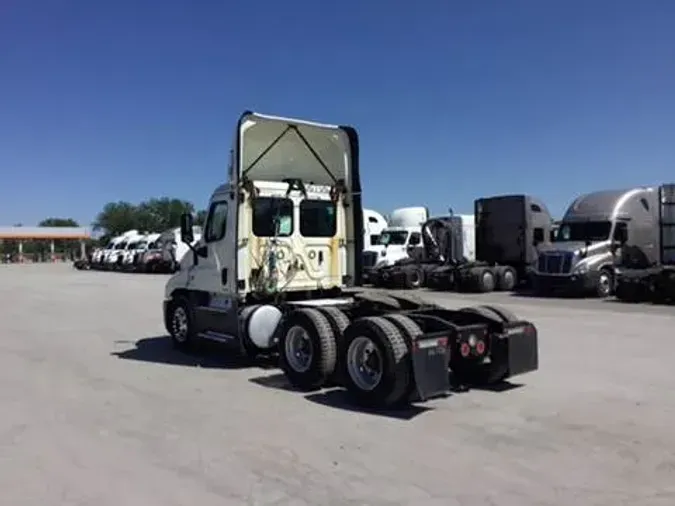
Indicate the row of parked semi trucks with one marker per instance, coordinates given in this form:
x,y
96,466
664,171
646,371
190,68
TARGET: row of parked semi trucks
x,y
610,242
135,251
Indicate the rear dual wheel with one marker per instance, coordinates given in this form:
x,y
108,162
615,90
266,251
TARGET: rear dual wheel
x,y
377,366
307,349
371,356
507,278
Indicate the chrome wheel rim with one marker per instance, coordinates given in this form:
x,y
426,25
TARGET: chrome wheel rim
x,y
298,349
179,324
364,363
605,284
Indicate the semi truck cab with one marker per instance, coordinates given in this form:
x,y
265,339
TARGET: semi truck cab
x,y
284,226
587,243
275,270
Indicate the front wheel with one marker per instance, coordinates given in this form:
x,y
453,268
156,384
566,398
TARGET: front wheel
x,y
605,284
414,278
180,324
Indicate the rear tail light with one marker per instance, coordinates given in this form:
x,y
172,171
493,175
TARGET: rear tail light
x,y
473,344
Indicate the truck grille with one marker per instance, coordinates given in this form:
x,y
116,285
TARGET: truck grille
x,y
369,258
555,263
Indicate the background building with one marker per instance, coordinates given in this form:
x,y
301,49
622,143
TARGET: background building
x,y
42,244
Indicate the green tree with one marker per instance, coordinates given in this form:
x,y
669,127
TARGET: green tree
x,y
160,214
58,222
200,219
153,215
116,218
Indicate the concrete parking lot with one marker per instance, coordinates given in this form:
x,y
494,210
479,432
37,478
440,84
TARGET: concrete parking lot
x,y
95,408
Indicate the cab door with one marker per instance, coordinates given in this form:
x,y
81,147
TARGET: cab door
x,y
323,240
213,278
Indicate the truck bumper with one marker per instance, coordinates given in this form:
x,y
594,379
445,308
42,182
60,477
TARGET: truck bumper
x,y
574,284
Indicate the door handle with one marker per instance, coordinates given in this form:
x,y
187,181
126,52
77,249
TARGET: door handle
x,y
223,276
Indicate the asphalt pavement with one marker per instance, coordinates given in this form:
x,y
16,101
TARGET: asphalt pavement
x,y
97,409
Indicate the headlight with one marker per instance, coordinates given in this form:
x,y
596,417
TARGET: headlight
x,y
580,269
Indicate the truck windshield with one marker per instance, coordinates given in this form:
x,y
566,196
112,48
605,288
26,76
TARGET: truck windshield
x,y
317,218
272,216
393,237
584,231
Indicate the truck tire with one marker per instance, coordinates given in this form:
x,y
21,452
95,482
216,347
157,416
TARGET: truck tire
x,y
180,323
483,311
377,368
411,332
337,319
338,322
507,278
482,279
503,313
307,349
414,278
386,280
605,285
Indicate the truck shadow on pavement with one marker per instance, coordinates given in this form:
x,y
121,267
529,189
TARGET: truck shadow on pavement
x,y
337,398
158,349
528,294
334,397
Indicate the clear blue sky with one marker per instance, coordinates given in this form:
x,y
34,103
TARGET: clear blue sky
x,y
130,99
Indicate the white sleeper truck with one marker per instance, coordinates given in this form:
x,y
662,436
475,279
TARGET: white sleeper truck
x,y
277,271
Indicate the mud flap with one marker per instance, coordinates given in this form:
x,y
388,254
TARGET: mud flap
x,y
521,341
430,366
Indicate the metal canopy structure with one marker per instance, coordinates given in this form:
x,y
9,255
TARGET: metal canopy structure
x,y
44,233
22,235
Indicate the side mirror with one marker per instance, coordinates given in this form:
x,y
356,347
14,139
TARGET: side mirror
x,y
186,223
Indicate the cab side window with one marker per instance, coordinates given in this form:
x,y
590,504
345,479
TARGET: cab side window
x,y
216,222
538,235
621,232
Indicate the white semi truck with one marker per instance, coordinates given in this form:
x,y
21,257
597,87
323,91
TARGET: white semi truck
x,y
403,232
278,267
136,250
115,258
100,259
373,225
